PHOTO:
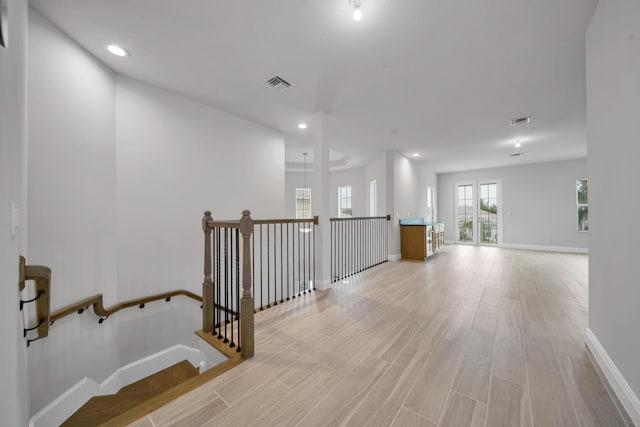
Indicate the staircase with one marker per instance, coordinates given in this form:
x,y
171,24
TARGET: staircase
x,y
101,409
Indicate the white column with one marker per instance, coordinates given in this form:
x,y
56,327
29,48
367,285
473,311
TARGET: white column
x,y
392,206
320,193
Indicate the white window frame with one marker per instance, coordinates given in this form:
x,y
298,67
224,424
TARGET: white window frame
x,y
373,198
341,199
582,205
476,241
300,194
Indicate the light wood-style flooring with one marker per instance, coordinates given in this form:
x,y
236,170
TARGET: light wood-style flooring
x,y
476,336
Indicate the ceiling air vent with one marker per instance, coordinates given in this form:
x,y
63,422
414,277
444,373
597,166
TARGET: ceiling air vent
x,y
516,154
520,121
278,83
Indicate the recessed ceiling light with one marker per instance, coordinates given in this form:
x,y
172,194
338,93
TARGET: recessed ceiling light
x,y
117,50
416,154
357,14
302,126
518,144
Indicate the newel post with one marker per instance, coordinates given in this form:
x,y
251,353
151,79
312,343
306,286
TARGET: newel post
x,y
207,284
247,305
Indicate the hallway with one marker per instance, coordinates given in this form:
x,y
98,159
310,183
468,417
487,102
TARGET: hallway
x,y
476,336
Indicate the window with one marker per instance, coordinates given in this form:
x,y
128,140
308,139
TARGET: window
x,y
430,205
303,203
344,202
488,214
373,198
582,198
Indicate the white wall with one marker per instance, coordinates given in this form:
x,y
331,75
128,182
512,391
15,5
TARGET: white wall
x,y
541,198
120,174
376,170
353,177
613,103
410,182
293,180
177,158
13,60
71,196
410,191
430,179
359,191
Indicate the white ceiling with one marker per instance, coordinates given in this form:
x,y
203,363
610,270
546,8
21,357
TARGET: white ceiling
x,y
440,78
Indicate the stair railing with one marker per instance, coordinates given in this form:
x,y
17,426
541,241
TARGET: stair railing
x,y
103,312
358,244
283,260
45,318
228,304
278,264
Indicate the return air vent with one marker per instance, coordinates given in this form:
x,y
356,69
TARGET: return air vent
x,y
278,83
516,154
520,121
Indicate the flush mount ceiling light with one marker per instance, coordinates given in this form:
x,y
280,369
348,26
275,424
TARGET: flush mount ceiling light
x,y
518,144
357,9
416,154
117,50
302,126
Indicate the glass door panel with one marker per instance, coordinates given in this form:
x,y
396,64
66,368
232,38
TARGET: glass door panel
x,y
464,214
488,213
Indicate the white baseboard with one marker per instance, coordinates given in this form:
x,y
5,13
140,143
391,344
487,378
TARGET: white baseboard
x,y
621,388
71,400
394,257
566,249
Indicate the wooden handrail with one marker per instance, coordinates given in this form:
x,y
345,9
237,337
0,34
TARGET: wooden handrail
x,y
225,223
387,217
287,221
101,311
236,224
41,275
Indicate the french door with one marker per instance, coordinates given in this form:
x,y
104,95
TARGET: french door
x,y
477,212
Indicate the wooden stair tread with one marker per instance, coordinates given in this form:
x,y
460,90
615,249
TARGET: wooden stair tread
x,y
162,380
100,409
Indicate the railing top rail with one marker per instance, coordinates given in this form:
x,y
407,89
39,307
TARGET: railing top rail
x,y
387,217
100,310
224,223
236,224
287,221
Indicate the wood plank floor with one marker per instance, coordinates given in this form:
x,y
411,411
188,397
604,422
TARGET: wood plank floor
x,y
474,337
